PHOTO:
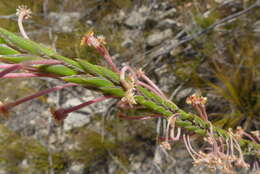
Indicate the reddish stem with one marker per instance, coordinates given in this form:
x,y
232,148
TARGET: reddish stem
x,y
4,66
27,75
62,113
13,67
108,58
200,111
10,69
43,92
7,106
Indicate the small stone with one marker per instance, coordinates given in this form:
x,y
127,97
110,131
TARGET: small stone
x,y
127,43
89,23
136,165
63,22
158,37
167,23
183,94
52,139
75,120
256,26
137,18
76,169
112,168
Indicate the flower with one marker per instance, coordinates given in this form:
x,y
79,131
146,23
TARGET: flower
x,y
196,100
93,41
23,11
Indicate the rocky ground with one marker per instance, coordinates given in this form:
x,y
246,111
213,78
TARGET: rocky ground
x,y
93,140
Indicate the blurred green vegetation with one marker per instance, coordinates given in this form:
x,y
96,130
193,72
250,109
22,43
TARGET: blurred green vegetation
x,y
224,62
25,155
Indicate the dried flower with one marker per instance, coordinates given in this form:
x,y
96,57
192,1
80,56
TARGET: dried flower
x,y
4,109
129,85
61,113
165,145
90,40
195,99
218,155
102,39
23,13
198,102
98,43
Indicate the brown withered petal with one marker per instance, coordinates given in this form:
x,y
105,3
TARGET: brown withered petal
x,y
58,115
4,109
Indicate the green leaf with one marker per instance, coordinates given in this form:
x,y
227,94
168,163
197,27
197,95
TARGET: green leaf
x,y
151,105
99,71
115,91
151,96
183,123
18,58
198,121
191,128
89,81
110,74
200,131
90,68
34,48
19,42
5,50
2,41
57,69
74,79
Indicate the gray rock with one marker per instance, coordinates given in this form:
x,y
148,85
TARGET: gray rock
x,y
256,26
137,18
167,79
112,168
63,22
166,82
201,169
167,23
75,120
2,171
76,169
127,43
158,37
184,93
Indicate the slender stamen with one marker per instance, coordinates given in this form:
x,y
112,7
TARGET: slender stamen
x,y
177,137
188,140
129,85
148,87
98,44
150,82
123,75
188,148
171,128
